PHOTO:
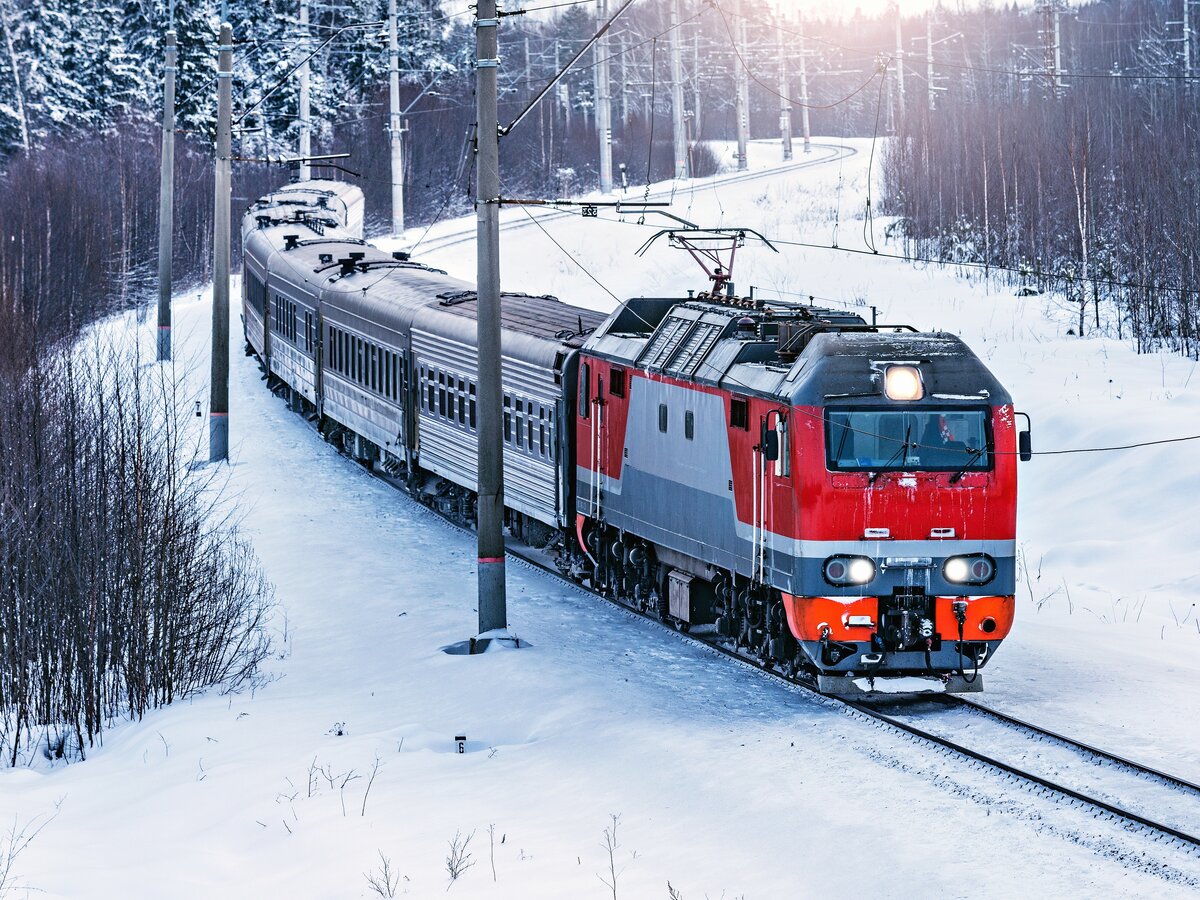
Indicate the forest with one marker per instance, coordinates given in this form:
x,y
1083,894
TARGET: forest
x,y
1063,159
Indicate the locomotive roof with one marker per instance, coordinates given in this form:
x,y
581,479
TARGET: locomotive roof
x,y
802,354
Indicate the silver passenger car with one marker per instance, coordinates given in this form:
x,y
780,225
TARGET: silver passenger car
x,y
386,349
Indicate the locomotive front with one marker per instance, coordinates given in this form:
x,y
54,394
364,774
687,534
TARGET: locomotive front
x,y
904,448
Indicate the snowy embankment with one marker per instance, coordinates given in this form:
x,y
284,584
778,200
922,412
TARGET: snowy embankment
x,y
726,784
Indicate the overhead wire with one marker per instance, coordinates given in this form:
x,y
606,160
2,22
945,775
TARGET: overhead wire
x,y
821,416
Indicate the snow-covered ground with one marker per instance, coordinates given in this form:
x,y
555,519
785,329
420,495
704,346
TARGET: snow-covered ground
x,y
725,784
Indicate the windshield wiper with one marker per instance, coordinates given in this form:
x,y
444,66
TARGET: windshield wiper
x,y
902,452
972,455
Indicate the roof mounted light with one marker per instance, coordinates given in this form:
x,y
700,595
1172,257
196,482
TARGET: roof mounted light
x,y
903,383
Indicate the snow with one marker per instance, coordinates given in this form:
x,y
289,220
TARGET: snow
x,y
905,684
727,784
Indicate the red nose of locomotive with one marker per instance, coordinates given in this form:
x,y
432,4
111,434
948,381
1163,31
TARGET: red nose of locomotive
x,y
905,464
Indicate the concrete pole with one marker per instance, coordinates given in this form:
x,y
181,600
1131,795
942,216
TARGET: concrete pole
x,y
899,65
785,111
1057,52
929,56
1187,39
696,120
742,99
395,136
603,104
305,119
804,88
624,58
218,404
166,203
493,611
682,167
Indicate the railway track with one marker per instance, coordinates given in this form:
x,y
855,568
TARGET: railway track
x,y
1144,798
1140,795
830,153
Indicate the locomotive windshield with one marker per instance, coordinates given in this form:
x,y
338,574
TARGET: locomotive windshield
x,y
929,440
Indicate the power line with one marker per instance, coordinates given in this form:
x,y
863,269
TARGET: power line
x,y
1033,273
766,87
821,416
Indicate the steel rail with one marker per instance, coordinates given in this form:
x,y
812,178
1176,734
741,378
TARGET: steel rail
x,y
1182,836
1136,767
1189,841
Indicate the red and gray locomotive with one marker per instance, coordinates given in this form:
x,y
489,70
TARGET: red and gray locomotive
x,y
835,498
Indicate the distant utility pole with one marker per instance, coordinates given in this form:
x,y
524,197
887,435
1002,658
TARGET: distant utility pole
x,y
696,123
929,57
1051,44
899,66
1185,37
604,104
395,136
679,128
492,601
166,203
218,404
804,88
785,111
305,121
742,100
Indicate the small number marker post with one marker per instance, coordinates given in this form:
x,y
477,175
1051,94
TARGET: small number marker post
x,y
460,743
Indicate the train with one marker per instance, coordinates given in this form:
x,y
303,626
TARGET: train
x,y
832,498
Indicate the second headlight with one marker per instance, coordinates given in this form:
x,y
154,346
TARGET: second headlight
x,y
849,570
977,568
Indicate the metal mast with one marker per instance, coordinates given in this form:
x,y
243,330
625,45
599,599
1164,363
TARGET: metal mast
x,y
493,610
679,127
603,103
742,101
166,203
395,137
899,65
305,122
785,111
218,404
804,89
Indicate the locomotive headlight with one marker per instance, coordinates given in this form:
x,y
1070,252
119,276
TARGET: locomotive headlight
x,y
903,383
978,568
849,570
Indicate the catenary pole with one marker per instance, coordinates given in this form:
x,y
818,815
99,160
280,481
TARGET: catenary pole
x,y
679,130
929,57
1187,39
218,404
899,65
804,88
492,605
395,136
742,98
785,111
603,103
305,118
166,203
